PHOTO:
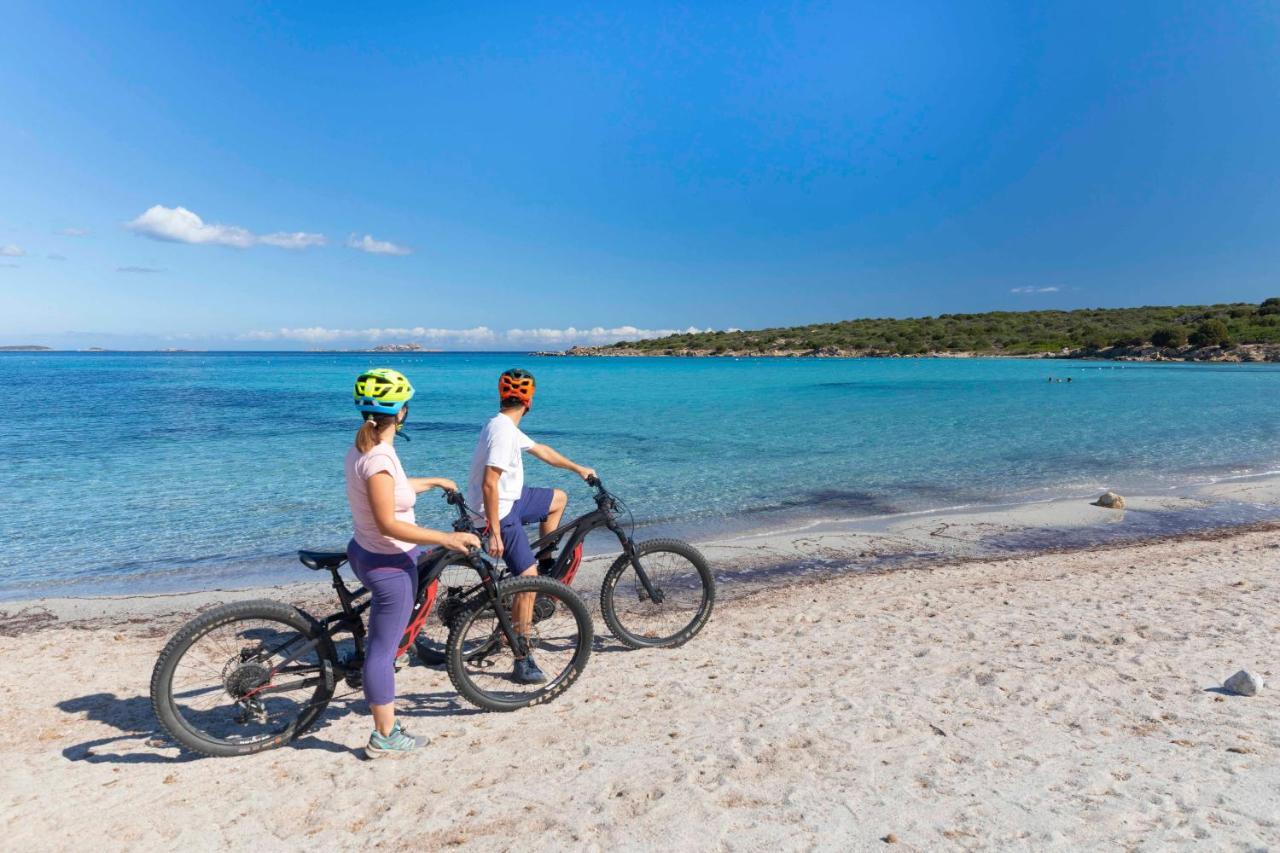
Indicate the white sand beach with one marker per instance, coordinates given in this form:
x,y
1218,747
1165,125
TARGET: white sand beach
x,y
1057,701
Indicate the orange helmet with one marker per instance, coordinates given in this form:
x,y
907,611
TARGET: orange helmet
x,y
517,383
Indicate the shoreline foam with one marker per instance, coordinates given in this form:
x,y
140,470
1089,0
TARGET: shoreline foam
x,y
974,529
924,538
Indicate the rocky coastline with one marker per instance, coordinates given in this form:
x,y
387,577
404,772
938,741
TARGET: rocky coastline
x,y
1240,353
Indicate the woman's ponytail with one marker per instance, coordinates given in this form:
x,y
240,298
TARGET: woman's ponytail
x,y
367,435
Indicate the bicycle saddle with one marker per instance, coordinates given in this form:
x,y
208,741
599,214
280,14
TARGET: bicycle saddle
x,y
322,559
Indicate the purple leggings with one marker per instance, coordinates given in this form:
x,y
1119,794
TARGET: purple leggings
x,y
392,581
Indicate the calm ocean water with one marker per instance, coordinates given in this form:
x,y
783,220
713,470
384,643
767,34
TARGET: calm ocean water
x,y
145,471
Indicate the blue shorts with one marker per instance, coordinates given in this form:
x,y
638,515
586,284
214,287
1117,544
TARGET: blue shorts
x,y
532,505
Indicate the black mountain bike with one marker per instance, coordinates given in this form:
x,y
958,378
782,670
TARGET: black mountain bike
x,y
252,675
657,593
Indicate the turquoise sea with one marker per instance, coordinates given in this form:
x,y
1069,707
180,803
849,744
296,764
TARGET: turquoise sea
x,y
127,472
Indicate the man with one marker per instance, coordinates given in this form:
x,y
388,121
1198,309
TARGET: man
x,y
496,488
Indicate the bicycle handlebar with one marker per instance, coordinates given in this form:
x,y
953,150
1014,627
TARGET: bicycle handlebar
x,y
455,498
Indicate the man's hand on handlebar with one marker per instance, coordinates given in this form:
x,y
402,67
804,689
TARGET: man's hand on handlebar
x,y
587,474
461,542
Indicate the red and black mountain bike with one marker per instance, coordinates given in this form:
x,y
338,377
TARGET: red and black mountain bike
x,y
657,593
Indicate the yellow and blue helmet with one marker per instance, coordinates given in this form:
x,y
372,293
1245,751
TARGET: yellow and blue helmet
x,y
382,391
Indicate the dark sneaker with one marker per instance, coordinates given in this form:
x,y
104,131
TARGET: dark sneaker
x,y
526,672
397,744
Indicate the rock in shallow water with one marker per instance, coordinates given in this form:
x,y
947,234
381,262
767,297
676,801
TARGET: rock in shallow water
x,y
1110,500
1243,683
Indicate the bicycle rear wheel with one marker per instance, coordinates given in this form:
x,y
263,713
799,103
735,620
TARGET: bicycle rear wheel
x,y
481,663
679,574
224,685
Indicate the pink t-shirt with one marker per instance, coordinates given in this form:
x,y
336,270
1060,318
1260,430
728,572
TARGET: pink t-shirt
x,y
359,468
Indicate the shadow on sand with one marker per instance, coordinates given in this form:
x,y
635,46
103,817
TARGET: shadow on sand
x,y
141,741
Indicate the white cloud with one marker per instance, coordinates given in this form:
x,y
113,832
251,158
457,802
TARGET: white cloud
x,y
139,270
477,336
377,247
11,251
179,225
295,240
1035,290
73,232
594,335
319,334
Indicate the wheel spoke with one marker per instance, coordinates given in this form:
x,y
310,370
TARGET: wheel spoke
x,y
228,691
682,596
483,664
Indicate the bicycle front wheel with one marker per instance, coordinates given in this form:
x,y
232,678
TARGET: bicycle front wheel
x,y
685,588
480,661
456,580
243,677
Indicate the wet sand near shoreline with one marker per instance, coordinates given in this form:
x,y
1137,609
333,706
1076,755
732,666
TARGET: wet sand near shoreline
x,y
1052,701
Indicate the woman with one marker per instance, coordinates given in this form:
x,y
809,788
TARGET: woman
x,y
385,545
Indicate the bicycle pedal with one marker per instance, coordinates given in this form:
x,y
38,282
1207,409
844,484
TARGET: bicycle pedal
x,y
326,669
351,671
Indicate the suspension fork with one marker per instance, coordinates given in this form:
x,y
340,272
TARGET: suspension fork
x,y
629,549
519,644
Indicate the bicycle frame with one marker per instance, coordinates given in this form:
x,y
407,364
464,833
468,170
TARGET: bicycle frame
x,y
430,566
577,530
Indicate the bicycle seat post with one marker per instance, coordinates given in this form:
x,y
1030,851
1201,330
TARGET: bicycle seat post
x,y
345,595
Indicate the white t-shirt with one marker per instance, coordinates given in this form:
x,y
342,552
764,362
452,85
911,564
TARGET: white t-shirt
x,y
500,445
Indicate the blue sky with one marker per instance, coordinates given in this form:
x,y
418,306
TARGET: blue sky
x,y
227,175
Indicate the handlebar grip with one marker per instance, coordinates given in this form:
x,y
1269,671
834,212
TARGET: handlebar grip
x,y
453,497
593,481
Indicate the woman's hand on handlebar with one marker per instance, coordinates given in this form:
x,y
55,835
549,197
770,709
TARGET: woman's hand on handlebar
x,y
426,484
461,542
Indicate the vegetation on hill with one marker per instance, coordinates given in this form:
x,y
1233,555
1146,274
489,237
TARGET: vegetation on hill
x,y
1002,332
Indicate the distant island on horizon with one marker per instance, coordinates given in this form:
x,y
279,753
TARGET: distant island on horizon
x,y
1232,332
1238,331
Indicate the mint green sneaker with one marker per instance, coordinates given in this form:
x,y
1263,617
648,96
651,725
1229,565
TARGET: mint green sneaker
x,y
396,744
